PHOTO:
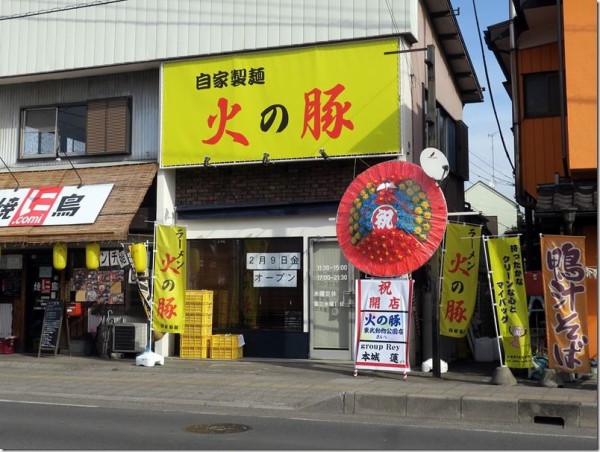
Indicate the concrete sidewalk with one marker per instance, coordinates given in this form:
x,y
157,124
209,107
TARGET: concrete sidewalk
x,y
464,393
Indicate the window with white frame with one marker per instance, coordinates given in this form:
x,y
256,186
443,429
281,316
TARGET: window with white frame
x,y
92,128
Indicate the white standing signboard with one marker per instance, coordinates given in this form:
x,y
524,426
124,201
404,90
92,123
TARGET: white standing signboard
x,y
382,324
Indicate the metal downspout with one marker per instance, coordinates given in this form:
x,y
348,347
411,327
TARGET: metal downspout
x,y
516,121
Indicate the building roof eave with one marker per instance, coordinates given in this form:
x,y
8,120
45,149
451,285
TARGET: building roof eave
x,y
452,44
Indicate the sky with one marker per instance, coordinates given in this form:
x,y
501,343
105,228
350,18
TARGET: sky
x,y
484,133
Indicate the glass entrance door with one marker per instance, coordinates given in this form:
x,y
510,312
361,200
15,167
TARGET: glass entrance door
x,y
331,301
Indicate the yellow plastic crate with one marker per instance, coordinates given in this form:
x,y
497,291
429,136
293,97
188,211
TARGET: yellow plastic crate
x,y
226,353
193,352
225,341
192,318
199,308
203,296
198,330
188,340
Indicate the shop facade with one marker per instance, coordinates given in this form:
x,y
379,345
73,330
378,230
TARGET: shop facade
x,y
260,224
276,269
258,148
79,169
31,268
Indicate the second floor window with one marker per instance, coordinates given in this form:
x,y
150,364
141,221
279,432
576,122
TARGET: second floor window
x,y
541,94
93,128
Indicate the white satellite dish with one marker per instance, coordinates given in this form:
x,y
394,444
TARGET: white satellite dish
x,y
434,163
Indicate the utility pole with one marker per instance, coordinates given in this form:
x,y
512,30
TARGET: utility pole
x,y
432,141
493,181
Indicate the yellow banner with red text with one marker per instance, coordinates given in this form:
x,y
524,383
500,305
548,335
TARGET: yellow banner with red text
x,y
280,105
168,312
460,271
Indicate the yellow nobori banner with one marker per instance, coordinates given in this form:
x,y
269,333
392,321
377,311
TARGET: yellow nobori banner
x,y
169,279
459,283
288,104
508,280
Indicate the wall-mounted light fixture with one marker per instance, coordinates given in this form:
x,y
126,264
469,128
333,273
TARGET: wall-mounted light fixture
x,y
265,158
58,152
323,154
13,176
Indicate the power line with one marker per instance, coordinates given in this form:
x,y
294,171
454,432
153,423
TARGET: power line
x,y
397,30
487,78
391,11
502,182
486,163
490,174
472,162
501,173
60,9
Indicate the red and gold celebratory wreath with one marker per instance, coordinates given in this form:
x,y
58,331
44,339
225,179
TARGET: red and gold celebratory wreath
x,y
391,219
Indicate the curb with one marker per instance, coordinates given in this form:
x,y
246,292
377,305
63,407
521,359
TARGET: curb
x,y
464,408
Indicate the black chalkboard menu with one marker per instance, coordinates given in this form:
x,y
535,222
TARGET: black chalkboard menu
x,y
54,316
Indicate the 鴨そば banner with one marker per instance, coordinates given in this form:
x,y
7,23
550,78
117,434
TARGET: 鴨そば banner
x,y
565,294
288,104
382,324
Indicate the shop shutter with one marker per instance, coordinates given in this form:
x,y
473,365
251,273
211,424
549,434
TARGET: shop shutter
x,y
108,126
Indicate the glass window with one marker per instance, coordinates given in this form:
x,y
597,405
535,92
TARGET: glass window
x,y
93,128
542,94
214,265
50,130
39,132
256,283
72,129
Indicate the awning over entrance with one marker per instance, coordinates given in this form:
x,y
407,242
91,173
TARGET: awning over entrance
x,y
131,182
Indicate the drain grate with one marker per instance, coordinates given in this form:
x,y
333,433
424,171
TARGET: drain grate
x,y
217,429
549,420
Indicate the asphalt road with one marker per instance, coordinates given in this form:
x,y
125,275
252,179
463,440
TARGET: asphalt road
x,y
34,425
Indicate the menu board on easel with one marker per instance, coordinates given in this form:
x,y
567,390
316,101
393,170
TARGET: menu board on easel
x,y
54,317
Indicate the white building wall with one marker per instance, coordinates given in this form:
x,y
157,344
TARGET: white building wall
x,y
491,203
142,86
38,36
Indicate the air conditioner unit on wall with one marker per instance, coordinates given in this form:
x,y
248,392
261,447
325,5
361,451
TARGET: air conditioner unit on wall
x,y
129,337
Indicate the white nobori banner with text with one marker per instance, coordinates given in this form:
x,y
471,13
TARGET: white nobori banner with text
x,y
382,324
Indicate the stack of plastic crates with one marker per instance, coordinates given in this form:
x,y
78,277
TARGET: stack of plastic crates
x,y
195,342
225,346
